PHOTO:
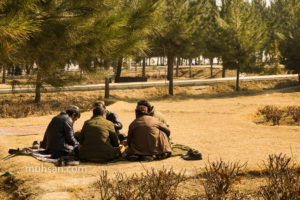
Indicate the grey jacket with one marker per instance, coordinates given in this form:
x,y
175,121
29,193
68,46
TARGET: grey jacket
x,y
59,135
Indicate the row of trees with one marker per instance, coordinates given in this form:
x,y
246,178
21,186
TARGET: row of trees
x,y
98,34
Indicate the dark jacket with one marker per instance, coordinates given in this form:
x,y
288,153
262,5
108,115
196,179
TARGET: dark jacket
x,y
114,119
98,140
59,135
148,136
110,116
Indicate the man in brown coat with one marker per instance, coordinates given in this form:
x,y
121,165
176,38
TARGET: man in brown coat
x,y
147,137
152,111
98,139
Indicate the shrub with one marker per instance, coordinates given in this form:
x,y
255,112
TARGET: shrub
x,y
220,177
271,113
154,185
18,108
283,182
294,112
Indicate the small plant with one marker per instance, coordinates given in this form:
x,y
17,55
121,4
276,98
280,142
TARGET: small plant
x,y
220,178
283,181
271,113
294,112
154,185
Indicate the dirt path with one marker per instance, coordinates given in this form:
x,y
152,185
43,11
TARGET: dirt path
x,y
219,128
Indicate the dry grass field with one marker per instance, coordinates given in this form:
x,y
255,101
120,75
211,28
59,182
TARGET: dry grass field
x,y
217,121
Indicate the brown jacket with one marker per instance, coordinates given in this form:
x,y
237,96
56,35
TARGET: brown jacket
x,y
148,136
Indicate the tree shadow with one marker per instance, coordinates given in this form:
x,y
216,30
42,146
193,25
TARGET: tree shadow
x,y
244,92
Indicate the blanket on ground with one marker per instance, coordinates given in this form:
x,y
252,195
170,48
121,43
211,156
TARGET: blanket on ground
x,y
39,154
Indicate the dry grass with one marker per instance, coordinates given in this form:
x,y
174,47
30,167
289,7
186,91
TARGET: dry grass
x,y
278,115
152,185
217,125
22,105
220,178
283,181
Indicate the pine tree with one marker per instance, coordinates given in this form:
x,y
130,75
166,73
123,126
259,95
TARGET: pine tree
x,y
118,29
51,47
288,33
243,33
17,24
212,39
175,34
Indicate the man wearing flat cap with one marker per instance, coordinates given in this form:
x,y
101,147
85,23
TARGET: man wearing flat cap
x,y
59,136
148,138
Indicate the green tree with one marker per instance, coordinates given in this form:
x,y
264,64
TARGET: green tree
x,y
243,33
212,35
174,33
51,47
118,29
17,24
289,33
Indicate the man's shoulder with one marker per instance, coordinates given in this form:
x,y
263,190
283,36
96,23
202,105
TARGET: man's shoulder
x,y
62,117
110,114
145,118
100,121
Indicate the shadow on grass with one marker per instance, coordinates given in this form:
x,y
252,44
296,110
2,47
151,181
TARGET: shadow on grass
x,y
281,87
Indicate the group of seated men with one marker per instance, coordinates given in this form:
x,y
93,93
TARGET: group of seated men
x,y
101,140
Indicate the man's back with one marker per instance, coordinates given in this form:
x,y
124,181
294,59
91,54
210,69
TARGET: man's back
x,y
59,134
148,136
98,139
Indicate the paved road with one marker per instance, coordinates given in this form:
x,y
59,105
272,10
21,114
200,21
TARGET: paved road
x,y
137,85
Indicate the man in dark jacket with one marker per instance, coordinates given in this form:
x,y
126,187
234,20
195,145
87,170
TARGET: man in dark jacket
x,y
98,139
147,137
59,136
110,116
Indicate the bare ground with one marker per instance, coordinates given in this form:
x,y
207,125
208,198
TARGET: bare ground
x,y
219,126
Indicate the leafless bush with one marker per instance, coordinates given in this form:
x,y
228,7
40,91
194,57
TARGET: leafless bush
x,y
154,185
220,178
271,113
283,181
294,112
18,108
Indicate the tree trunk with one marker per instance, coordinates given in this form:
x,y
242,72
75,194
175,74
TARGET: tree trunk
x,y
38,86
3,74
177,66
170,73
157,61
13,70
106,67
190,67
81,73
299,77
119,68
144,68
237,88
223,72
211,67
28,68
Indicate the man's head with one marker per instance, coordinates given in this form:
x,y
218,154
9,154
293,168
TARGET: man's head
x,y
141,110
99,104
146,103
74,112
99,111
